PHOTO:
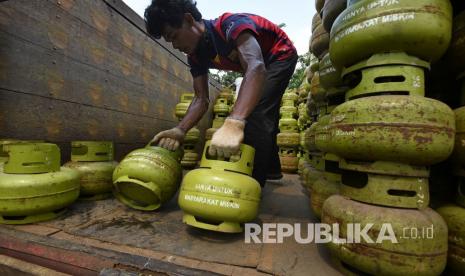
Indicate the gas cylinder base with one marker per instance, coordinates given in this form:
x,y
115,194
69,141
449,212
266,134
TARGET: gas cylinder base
x,y
137,194
18,220
225,227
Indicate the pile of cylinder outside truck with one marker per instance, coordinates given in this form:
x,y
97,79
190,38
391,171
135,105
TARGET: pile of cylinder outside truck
x,y
385,143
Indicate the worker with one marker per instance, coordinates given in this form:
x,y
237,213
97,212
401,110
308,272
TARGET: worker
x,y
240,42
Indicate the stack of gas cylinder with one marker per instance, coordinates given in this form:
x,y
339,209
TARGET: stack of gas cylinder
x,y
303,121
288,138
313,166
190,157
223,106
378,134
322,176
454,213
327,93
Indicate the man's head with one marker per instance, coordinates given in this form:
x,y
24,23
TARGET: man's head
x,y
178,21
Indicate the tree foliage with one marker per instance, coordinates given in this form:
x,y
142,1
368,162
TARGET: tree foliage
x,y
225,78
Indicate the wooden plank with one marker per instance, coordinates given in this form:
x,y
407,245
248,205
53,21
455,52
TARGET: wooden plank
x,y
55,120
83,70
53,73
59,259
36,229
78,259
131,16
24,268
161,231
27,117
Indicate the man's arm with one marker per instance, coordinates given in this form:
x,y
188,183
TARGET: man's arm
x,y
199,104
227,140
251,58
172,138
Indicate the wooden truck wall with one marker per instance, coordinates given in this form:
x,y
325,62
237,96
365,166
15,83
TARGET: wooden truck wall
x,y
86,70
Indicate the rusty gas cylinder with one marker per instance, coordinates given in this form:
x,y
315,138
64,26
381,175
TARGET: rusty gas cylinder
x,y
421,28
398,241
405,129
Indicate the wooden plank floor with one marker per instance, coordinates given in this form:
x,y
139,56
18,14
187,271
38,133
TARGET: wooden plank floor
x,y
97,228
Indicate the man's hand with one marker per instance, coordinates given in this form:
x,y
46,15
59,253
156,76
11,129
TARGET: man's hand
x,y
227,140
169,139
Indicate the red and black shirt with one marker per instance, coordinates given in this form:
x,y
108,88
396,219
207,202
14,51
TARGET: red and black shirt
x,y
220,50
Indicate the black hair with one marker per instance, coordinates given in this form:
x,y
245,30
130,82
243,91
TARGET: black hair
x,y
171,12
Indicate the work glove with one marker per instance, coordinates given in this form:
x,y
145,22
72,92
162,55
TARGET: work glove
x,y
227,139
169,139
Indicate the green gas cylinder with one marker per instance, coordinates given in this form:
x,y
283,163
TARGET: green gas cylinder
x,y
310,144
400,241
311,106
329,75
320,38
221,106
33,187
221,194
405,129
287,111
386,73
192,136
330,11
317,91
183,105
304,120
421,28
304,87
315,171
94,161
287,102
319,4
309,138
314,63
290,95
458,155
456,53
227,94
322,134
303,173
327,185
288,139
288,125
190,157
147,177
454,216
209,133
300,165
311,177
3,153
385,183
289,159
218,121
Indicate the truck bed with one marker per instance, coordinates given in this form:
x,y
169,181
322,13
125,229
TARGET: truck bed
x,y
104,236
